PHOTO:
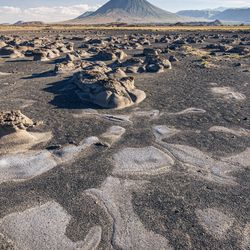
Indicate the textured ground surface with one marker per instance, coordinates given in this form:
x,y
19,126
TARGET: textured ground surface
x,y
169,173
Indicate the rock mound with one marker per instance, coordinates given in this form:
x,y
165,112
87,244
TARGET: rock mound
x,y
15,120
14,136
102,89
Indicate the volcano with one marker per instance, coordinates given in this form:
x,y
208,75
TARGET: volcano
x,y
129,11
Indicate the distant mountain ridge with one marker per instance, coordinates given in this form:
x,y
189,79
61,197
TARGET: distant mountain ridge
x,y
237,15
230,15
206,14
129,11
22,23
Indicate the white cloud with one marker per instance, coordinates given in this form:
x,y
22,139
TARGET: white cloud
x,y
9,10
10,14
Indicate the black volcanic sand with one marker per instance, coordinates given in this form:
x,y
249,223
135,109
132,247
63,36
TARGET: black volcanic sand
x,y
168,203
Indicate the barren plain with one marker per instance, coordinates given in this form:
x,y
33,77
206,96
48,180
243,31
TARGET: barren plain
x,y
124,139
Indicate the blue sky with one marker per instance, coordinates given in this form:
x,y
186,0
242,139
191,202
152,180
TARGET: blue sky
x,y
57,10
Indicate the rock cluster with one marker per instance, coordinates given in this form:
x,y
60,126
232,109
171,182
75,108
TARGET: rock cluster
x,y
14,120
105,90
157,64
71,62
112,58
40,49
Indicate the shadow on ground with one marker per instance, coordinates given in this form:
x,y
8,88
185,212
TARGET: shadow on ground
x,y
65,96
40,75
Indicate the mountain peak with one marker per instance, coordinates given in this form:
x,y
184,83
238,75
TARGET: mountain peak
x,y
133,7
129,11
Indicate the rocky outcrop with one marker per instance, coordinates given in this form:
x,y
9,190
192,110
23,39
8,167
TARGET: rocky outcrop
x,y
14,136
106,91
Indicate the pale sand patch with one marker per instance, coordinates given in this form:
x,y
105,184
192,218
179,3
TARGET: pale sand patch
x,y
21,141
128,232
198,163
110,117
24,166
93,239
213,84
126,118
162,132
6,244
189,111
71,152
86,112
246,237
117,118
152,114
214,222
141,162
44,227
202,165
21,167
234,131
112,135
228,93
4,74
242,159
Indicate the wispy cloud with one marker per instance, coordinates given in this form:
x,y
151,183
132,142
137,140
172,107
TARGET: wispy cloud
x,y
45,14
200,4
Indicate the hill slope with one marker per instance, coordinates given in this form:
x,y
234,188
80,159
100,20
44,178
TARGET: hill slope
x,y
86,14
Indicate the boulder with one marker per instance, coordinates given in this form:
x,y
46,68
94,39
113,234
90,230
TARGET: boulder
x,y
132,69
105,55
2,44
83,54
37,42
173,59
132,62
150,52
40,55
65,67
117,73
224,48
13,120
71,57
96,67
157,64
121,55
51,54
96,41
239,50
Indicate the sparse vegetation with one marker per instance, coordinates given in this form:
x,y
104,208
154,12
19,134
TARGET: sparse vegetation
x,y
194,51
129,27
205,64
